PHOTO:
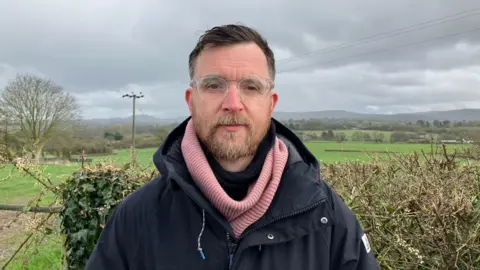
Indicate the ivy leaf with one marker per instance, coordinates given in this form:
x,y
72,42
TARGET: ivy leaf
x,y
82,234
88,187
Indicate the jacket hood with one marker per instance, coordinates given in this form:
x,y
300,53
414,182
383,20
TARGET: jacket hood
x,y
300,187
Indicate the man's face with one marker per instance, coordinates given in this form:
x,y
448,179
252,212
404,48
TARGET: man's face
x,y
232,124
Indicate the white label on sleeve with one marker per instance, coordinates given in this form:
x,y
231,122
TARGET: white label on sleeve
x,y
366,243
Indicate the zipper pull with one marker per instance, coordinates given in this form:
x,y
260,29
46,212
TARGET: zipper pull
x,y
232,247
230,261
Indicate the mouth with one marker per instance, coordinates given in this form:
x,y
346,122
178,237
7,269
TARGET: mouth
x,y
232,128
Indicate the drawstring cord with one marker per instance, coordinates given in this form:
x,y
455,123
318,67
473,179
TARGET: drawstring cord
x,y
199,247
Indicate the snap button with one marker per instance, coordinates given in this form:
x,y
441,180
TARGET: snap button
x,y
270,236
324,220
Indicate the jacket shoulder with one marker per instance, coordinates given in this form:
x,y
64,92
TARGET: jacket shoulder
x,y
350,244
342,212
139,205
149,191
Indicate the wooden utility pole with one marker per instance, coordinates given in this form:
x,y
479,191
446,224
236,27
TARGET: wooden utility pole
x,y
83,159
134,97
6,134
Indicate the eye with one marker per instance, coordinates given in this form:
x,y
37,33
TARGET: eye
x,y
212,84
251,85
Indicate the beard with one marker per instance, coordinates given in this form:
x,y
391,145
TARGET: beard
x,y
228,146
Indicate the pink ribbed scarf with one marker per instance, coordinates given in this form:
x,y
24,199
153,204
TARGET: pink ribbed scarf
x,y
240,214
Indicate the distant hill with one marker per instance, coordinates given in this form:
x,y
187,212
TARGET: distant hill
x,y
452,115
139,120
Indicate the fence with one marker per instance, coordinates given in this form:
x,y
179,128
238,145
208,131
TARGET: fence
x,y
35,209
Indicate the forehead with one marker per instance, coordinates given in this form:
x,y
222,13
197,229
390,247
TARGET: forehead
x,y
232,62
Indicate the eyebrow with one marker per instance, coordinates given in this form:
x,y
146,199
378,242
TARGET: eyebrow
x,y
224,77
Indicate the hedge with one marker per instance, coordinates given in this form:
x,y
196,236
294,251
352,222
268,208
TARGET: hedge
x,y
419,212
89,197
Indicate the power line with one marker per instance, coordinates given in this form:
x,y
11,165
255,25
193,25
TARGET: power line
x,y
134,97
385,50
387,34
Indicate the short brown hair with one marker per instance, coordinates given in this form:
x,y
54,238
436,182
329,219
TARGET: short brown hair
x,y
231,34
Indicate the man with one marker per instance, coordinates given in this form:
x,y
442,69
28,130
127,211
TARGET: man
x,y
237,190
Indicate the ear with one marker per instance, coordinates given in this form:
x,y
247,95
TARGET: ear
x,y
188,98
274,100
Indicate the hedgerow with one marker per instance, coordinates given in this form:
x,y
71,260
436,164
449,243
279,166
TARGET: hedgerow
x,y
89,197
420,212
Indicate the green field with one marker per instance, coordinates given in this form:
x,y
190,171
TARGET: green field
x,y
366,150
18,188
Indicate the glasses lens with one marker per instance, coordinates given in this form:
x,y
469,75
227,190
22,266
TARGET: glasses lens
x,y
212,85
253,86
215,87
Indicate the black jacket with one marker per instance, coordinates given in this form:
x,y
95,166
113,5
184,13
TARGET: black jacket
x,y
169,224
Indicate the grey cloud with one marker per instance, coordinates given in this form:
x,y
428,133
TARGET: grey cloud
x,y
358,86
164,100
102,49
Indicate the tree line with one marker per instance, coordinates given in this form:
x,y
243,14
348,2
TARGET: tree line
x,y
407,126
363,130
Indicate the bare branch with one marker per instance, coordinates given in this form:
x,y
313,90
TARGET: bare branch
x,y
40,107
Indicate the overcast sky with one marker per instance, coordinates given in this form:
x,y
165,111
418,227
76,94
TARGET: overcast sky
x,y
100,50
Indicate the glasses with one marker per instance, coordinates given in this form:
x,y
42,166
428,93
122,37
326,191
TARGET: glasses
x,y
216,87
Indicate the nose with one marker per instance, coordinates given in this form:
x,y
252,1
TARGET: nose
x,y
232,101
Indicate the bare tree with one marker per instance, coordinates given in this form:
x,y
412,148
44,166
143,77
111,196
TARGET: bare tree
x,y
41,108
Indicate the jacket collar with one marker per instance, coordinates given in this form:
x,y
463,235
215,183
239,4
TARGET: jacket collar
x,y
298,189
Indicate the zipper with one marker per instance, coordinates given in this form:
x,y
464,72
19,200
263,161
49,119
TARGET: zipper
x,y
230,240
232,243
232,248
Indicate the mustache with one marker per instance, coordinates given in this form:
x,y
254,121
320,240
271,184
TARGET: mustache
x,y
231,120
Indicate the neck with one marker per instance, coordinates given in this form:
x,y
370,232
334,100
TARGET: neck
x,y
236,166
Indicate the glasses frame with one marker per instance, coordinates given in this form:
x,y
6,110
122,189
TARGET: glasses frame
x,y
270,84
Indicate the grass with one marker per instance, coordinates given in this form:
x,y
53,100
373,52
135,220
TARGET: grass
x,y
47,256
365,150
43,252
18,188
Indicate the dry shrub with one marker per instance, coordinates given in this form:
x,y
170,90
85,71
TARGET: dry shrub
x,y
420,212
